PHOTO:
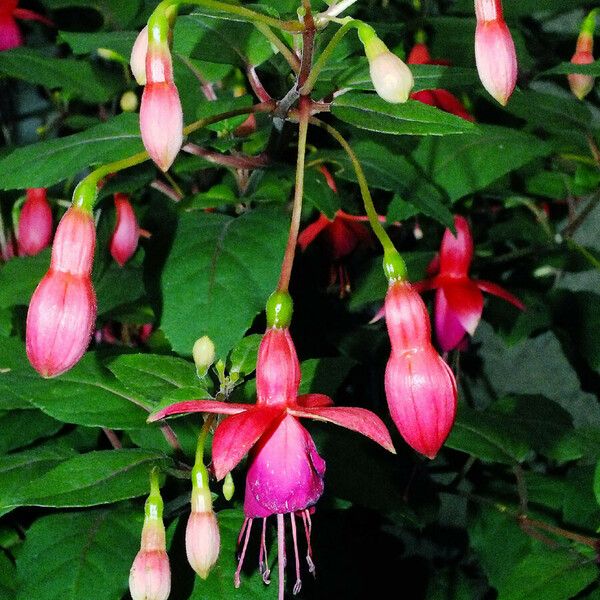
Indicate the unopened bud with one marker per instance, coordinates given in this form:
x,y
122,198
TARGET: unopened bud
x,y
138,56
204,355
129,102
581,85
124,240
35,223
228,487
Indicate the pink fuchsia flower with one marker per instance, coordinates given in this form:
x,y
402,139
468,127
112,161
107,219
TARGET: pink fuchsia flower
x,y
10,34
137,62
285,474
494,51
150,575
420,387
124,240
35,223
442,99
459,299
581,85
62,311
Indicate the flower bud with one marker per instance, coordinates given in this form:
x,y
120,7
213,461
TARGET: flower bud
x,y
391,77
204,354
422,397
63,307
582,85
494,51
277,368
150,575
35,223
129,101
124,240
138,56
202,538
228,487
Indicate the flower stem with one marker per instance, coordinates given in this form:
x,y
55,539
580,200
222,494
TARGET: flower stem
x,y
206,427
290,250
338,8
283,48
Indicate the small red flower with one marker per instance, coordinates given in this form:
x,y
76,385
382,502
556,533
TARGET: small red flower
x,y
442,99
124,240
458,299
35,223
10,34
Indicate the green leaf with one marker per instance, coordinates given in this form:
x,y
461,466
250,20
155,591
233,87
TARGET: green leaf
x,y
8,574
20,276
116,285
471,162
566,67
100,477
324,375
75,77
368,111
78,555
86,43
22,427
319,194
219,274
243,356
115,12
59,159
581,499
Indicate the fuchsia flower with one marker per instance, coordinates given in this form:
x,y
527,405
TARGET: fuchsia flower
x,y
285,474
494,51
442,99
458,299
582,85
124,240
419,385
35,223
161,116
63,307
10,34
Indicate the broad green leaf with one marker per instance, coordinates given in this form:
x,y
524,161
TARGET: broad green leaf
x,y
471,162
567,67
100,477
116,286
86,43
368,111
219,275
242,359
59,159
488,436
71,556
115,12
324,375
19,278
75,77
152,376
22,427
8,575
581,499
319,194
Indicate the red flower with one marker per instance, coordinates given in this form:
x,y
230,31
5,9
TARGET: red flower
x,y
442,99
10,34
285,473
458,299
35,223
124,240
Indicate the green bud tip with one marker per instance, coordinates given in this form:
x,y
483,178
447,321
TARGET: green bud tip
x,y
370,40
85,194
394,266
279,310
153,509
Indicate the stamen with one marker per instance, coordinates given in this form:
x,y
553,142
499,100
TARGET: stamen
x,y
264,565
298,584
307,531
236,577
281,555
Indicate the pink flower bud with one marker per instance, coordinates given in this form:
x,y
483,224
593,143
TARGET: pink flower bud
x,y
582,85
277,368
456,253
35,223
161,123
124,240
494,51
422,397
202,538
63,307
138,56
150,575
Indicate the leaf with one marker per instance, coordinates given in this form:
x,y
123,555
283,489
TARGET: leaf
x,y
368,111
319,194
243,356
19,278
22,427
152,376
86,395
566,67
90,479
219,274
116,286
8,575
115,12
580,505
86,43
487,436
59,159
324,375
75,77
471,162
77,555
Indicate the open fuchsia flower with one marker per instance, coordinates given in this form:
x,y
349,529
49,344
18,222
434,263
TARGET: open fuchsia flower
x,y
440,98
494,51
582,85
63,307
35,223
285,473
161,116
420,387
10,34
124,240
458,299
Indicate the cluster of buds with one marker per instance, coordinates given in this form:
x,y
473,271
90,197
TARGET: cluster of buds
x,y
420,387
35,223
581,85
62,311
494,51
161,116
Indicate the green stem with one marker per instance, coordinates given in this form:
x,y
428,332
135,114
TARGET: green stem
x,y
153,508
204,431
290,250
283,48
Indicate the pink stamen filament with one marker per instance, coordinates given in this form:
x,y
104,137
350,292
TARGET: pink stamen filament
x,y
307,531
263,565
298,584
281,555
236,577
